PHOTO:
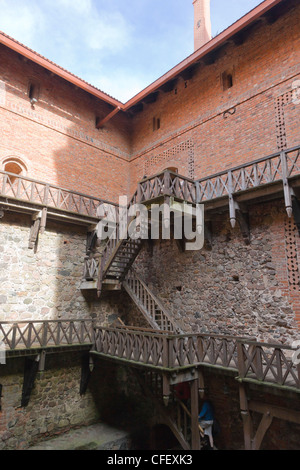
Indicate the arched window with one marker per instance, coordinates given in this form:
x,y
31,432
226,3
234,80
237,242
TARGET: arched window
x,y
173,169
14,165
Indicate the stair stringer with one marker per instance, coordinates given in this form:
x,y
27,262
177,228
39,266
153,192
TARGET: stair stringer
x,y
167,321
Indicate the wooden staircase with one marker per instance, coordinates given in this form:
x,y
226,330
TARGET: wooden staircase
x,y
175,414
118,255
149,305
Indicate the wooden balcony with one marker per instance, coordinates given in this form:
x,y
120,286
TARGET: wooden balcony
x,y
22,194
251,361
29,337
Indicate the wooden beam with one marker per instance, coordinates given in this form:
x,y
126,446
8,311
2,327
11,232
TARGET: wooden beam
x,y
100,123
246,417
278,412
30,372
194,415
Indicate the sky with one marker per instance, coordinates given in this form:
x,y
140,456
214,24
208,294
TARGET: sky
x,y
118,46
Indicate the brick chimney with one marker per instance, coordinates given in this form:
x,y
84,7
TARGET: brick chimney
x,y
202,23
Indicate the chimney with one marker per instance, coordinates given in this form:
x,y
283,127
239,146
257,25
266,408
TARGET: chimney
x,y
202,23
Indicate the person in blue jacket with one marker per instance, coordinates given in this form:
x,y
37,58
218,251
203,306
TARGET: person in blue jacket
x,y
206,419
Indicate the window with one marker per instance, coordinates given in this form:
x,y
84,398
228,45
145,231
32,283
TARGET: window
x,y
14,165
156,124
227,80
33,92
173,169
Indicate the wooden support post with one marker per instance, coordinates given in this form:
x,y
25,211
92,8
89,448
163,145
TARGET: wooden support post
x,y
243,220
42,360
201,384
262,429
246,417
194,416
34,232
38,226
166,389
30,371
91,239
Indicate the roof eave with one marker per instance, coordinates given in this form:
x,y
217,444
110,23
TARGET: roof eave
x,y
212,45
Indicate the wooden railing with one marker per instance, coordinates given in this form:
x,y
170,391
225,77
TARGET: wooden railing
x,y
266,363
273,168
48,195
151,307
161,350
166,183
91,267
45,333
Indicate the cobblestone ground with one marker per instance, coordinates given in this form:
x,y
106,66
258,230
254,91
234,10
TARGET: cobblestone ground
x,y
96,437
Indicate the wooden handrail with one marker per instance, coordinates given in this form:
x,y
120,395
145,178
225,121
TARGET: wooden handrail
x,y
46,333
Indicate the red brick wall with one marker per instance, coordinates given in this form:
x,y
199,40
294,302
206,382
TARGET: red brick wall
x,y
264,118
58,139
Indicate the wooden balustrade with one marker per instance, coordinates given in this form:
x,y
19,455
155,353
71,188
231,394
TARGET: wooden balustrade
x,y
150,306
45,333
162,350
167,183
48,195
271,363
266,170
279,166
267,363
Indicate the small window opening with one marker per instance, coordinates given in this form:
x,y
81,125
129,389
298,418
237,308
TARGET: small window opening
x,y
13,165
227,80
173,169
33,92
156,124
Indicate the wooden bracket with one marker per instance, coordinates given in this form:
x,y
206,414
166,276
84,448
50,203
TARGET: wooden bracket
x,y
38,226
30,372
91,240
243,220
237,214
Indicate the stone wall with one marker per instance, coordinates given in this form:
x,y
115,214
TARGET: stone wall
x,y
55,405
232,288
42,284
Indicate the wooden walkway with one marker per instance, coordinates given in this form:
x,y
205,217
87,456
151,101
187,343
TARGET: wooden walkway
x,y
162,351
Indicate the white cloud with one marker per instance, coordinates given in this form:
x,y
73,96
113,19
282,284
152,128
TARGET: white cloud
x,y
21,21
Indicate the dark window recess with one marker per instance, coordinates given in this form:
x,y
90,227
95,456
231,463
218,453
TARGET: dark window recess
x,y
156,124
33,92
227,80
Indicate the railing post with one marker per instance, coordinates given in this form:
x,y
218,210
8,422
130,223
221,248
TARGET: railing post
x,y
46,194
165,354
45,332
241,361
13,341
194,415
